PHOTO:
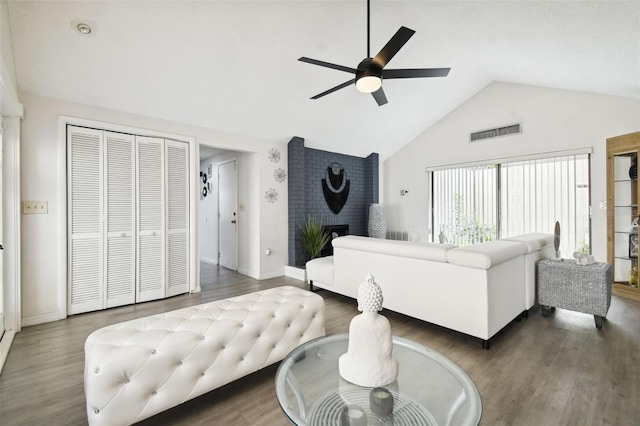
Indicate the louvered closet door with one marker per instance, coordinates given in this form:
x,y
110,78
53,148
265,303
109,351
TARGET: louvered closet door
x,y
151,228
85,198
120,219
177,169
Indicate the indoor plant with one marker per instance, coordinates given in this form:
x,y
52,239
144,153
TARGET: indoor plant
x,y
313,236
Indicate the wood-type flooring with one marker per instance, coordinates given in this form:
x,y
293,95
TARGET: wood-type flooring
x,y
558,370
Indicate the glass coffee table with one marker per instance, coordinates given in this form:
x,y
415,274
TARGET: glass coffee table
x,y
430,389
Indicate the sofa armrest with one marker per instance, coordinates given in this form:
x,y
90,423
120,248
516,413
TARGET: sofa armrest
x,y
534,241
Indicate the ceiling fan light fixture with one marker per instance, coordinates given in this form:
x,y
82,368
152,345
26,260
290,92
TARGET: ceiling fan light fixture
x,y
368,76
369,83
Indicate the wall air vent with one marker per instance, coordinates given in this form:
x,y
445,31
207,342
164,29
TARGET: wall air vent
x,y
497,132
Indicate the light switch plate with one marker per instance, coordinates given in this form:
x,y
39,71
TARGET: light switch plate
x,y
603,205
35,207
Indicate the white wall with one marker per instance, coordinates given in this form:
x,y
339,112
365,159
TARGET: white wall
x,y
552,120
208,216
41,267
278,228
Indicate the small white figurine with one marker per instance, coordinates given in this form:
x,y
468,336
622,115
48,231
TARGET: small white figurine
x,y
368,361
583,258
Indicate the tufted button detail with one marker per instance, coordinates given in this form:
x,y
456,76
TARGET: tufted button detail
x,y
289,325
179,363
273,315
241,324
96,411
258,336
241,358
274,346
97,370
154,393
223,347
202,374
154,351
127,381
201,337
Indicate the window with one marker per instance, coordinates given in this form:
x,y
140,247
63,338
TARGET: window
x,y
465,204
533,195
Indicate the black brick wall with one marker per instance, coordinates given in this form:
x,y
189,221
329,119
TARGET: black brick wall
x,y
307,168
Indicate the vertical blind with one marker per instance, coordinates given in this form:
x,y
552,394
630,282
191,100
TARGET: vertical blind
x,y
482,203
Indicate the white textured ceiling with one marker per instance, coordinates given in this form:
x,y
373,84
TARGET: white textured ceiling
x,y
233,65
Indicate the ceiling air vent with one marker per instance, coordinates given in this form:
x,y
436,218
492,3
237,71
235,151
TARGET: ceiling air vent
x,y
497,132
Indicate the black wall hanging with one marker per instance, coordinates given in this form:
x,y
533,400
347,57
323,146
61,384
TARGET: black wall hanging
x,y
335,187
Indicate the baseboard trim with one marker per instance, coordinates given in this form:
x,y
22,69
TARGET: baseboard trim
x,y
296,273
41,319
208,260
248,273
269,275
5,345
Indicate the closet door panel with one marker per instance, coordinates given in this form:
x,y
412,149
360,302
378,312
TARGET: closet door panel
x,y
120,219
85,202
151,223
177,169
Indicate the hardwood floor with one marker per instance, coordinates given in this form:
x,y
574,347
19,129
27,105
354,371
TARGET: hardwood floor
x,y
541,371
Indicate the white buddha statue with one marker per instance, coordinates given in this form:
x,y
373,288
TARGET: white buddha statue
x,y
368,361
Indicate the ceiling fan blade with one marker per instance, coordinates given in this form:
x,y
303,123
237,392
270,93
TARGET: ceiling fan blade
x,y
333,89
327,65
379,96
415,72
393,46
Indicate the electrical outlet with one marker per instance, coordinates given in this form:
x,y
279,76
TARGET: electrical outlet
x,y
603,205
35,207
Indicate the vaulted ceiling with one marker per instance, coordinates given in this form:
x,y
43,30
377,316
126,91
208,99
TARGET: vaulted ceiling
x,y
232,65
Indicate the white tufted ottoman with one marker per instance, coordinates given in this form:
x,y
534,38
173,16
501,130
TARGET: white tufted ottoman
x,y
139,368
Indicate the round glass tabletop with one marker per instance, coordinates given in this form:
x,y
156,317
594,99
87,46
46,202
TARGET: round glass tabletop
x,y
430,389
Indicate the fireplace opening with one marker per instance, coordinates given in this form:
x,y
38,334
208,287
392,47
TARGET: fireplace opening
x,y
335,231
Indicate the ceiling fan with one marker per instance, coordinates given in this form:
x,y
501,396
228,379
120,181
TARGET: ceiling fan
x,y
371,72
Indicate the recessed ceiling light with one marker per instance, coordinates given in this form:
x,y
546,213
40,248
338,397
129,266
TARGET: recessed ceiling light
x,y
83,28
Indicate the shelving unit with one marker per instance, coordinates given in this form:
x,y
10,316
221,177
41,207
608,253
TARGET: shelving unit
x,y
622,211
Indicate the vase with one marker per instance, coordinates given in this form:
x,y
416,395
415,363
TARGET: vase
x,y
377,222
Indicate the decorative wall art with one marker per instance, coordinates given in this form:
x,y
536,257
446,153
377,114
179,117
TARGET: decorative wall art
x,y
271,195
279,175
274,155
206,185
335,187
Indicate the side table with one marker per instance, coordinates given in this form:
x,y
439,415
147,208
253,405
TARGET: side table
x,y
583,288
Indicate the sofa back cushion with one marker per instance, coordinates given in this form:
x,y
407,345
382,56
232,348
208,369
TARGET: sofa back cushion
x,y
486,255
427,251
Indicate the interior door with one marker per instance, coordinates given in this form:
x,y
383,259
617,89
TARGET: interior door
x,y
227,215
85,203
151,220
120,221
177,193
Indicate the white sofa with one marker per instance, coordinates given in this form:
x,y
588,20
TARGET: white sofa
x,y
475,289
141,367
